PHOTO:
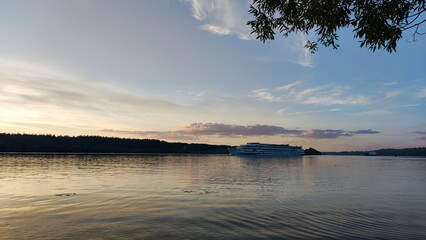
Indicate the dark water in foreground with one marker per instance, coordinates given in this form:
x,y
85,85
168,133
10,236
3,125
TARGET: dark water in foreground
x,y
212,197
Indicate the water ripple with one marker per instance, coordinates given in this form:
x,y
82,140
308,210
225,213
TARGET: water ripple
x,y
211,197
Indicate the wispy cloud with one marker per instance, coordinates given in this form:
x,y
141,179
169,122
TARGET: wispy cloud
x,y
198,10
422,93
288,86
195,130
421,135
374,112
319,95
304,57
264,94
411,105
392,94
333,133
201,93
30,92
283,112
222,17
390,83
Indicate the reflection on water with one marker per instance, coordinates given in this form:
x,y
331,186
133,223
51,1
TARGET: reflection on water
x,y
223,197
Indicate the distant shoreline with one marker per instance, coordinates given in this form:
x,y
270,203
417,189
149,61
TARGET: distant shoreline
x,y
28,143
106,154
404,152
97,145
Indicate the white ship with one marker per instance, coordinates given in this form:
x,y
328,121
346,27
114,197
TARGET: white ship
x,y
262,149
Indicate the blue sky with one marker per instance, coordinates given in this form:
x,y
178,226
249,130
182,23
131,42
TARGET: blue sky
x,y
190,71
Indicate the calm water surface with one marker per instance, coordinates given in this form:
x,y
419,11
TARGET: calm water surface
x,y
212,197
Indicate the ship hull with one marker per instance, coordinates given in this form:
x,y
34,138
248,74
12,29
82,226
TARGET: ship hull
x,y
258,149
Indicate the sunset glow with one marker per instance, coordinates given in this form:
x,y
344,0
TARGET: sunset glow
x,y
194,73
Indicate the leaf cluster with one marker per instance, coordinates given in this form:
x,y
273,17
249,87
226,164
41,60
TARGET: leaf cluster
x,y
378,24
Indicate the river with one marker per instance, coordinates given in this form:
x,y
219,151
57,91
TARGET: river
x,y
211,197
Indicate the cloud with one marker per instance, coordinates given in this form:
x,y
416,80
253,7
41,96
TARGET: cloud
x,y
282,111
422,93
288,86
198,11
375,112
335,100
410,105
420,132
200,94
236,130
329,95
367,131
264,94
304,57
22,83
327,133
335,133
195,130
392,94
222,17
422,135
33,93
390,83
319,95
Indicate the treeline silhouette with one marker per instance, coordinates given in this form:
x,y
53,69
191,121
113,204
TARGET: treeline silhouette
x,y
420,152
96,144
312,151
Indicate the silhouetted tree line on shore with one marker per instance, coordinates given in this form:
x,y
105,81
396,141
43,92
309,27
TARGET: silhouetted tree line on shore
x,y
312,151
97,144
421,152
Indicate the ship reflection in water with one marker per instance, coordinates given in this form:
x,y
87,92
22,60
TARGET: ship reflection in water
x,y
211,197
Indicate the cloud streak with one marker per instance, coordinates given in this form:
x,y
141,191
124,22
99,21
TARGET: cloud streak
x,y
22,83
421,135
37,94
392,94
374,112
195,130
390,83
335,133
318,95
222,17
283,112
304,57
422,93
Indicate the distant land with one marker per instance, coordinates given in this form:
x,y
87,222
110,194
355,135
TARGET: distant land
x,y
33,143
414,152
97,144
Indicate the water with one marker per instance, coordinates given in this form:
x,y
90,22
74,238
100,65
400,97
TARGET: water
x,y
211,197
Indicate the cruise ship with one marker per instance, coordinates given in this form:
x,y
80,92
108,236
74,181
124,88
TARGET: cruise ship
x,y
263,149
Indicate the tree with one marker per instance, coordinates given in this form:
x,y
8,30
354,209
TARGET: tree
x,y
376,23
312,151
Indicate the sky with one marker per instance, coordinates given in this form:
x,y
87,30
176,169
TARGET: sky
x,y
190,71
